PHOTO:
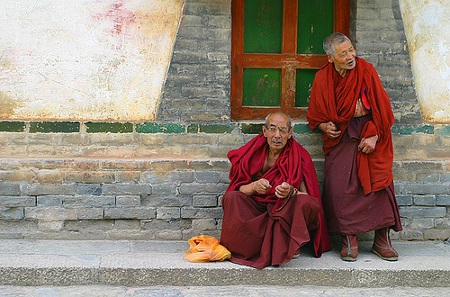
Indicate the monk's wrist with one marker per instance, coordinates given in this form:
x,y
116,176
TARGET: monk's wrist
x,y
292,193
248,189
323,127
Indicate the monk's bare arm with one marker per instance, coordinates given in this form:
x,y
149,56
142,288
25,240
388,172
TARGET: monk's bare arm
x,y
303,188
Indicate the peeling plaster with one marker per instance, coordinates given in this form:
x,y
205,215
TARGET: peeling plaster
x,y
85,59
426,28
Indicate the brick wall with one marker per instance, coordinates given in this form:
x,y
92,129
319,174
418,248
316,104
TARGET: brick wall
x,y
164,179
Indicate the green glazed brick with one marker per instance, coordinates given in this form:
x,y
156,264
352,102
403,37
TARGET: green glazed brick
x,y
427,129
408,130
216,128
251,128
159,128
402,130
96,127
12,126
302,129
192,128
54,127
444,130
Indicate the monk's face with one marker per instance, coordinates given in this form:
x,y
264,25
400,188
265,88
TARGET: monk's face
x,y
277,131
344,57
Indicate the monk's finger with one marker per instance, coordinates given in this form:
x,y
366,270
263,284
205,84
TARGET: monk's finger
x,y
265,183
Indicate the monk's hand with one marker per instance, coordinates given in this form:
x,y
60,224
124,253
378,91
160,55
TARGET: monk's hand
x,y
282,191
261,186
330,129
367,145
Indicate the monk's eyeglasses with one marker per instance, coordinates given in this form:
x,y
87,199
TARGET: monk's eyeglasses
x,y
273,129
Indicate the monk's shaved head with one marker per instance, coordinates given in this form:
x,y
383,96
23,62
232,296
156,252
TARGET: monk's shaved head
x,y
279,112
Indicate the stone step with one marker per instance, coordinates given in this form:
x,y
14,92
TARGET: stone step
x,y
160,263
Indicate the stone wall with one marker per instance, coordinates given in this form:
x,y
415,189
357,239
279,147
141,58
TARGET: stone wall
x,y
165,179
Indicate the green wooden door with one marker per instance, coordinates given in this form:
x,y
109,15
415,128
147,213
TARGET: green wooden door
x,y
277,51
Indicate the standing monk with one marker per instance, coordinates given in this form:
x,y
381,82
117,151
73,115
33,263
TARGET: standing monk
x,y
272,206
350,106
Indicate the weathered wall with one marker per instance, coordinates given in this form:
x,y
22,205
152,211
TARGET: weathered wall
x,y
164,179
85,60
426,26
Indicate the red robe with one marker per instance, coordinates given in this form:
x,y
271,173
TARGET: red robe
x,y
333,98
268,215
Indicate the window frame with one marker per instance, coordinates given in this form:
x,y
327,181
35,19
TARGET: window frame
x,y
288,60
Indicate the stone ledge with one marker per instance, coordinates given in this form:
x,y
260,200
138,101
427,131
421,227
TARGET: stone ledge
x,y
154,263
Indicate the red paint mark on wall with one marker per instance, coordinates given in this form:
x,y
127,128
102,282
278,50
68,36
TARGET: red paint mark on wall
x,y
120,16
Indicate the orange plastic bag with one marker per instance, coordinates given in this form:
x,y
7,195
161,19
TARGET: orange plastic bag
x,y
205,248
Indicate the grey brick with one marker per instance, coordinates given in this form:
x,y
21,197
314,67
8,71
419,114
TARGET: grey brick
x,y
88,189
48,189
50,200
168,213
161,200
204,201
127,225
130,200
428,200
88,200
426,189
97,227
9,189
445,178
204,224
443,223
404,199
52,226
164,189
201,213
89,213
443,200
423,212
193,189
208,177
138,213
412,235
171,224
11,214
127,189
50,213
421,223
174,177
436,234
17,201
430,177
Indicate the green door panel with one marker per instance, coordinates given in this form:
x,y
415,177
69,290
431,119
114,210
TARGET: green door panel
x,y
303,85
315,22
263,20
262,87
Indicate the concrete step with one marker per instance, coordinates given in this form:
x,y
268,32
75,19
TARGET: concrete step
x,y
139,263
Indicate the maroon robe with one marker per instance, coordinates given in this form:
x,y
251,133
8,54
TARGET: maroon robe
x,y
358,188
262,230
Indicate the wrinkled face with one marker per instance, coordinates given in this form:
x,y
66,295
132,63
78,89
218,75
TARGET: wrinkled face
x,y
344,58
277,132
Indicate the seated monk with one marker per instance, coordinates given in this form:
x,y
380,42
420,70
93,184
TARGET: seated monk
x,y
272,206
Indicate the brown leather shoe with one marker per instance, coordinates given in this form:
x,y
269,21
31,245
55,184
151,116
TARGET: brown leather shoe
x,y
349,251
382,246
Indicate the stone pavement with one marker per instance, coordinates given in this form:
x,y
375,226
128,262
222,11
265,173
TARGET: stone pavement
x,y
222,291
148,268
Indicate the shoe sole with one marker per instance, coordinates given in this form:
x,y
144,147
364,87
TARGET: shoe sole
x,y
384,258
348,259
